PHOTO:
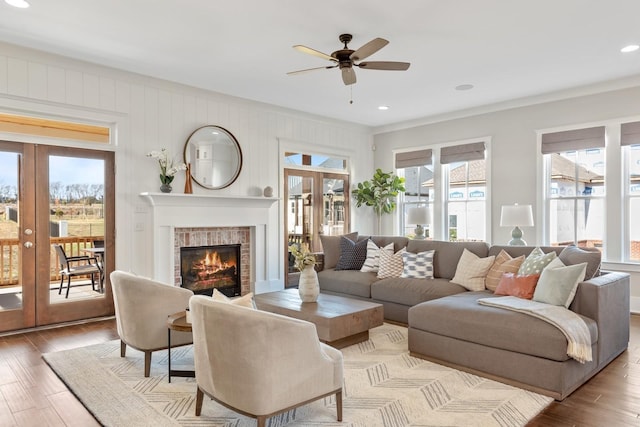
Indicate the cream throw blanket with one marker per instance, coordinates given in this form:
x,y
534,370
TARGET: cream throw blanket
x,y
569,323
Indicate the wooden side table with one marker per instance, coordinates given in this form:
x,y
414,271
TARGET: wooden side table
x,y
177,322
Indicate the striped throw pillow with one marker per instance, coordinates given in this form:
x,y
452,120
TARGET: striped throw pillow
x,y
390,264
504,263
372,263
418,266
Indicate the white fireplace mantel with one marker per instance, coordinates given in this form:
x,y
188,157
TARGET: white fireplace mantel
x,y
171,211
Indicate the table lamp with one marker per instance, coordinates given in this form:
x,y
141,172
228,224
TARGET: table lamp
x,y
516,216
418,216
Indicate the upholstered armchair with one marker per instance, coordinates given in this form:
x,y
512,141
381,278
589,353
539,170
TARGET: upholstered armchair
x,y
142,306
258,363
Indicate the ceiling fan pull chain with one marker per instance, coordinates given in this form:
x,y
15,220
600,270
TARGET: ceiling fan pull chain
x,y
351,89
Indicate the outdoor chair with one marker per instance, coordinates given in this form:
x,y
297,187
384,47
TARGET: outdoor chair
x,y
75,266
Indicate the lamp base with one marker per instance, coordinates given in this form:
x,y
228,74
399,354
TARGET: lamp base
x,y
516,238
419,233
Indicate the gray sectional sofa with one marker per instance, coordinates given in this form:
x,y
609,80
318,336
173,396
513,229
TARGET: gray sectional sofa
x,y
448,326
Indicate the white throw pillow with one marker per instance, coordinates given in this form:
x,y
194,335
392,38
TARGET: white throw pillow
x,y
472,270
558,286
372,263
390,264
244,301
418,266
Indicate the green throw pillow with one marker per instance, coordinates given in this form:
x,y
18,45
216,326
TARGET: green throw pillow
x,y
558,286
535,262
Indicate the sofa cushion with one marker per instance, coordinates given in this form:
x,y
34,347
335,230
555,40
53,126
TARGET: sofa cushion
x,y
472,270
535,262
461,317
350,282
571,255
390,264
417,266
410,292
331,248
558,286
352,254
503,263
445,259
517,286
372,262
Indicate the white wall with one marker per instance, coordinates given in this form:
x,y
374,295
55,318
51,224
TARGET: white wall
x,y
149,114
514,168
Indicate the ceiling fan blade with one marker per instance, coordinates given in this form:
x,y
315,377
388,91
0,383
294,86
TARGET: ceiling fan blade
x,y
348,76
369,49
308,50
385,65
291,73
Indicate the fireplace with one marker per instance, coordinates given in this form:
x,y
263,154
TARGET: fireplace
x,y
204,268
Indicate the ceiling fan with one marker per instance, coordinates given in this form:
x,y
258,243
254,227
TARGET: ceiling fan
x,y
346,59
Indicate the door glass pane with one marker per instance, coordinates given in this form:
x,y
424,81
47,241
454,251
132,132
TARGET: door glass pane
x,y
300,205
10,272
76,223
333,218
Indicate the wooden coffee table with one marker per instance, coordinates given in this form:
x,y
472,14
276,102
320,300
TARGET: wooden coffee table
x,y
340,321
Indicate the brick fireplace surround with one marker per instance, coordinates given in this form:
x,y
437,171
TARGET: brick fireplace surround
x,y
208,236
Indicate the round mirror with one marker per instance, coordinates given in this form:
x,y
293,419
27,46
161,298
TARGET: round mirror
x,y
214,155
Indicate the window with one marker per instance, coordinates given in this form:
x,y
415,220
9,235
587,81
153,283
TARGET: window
x,y
417,169
452,183
575,186
466,188
630,141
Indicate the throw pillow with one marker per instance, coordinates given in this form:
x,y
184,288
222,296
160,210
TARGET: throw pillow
x,y
535,262
390,264
352,254
372,262
244,301
331,248
417,266
517,286
472,270
557,286
574,255
503,263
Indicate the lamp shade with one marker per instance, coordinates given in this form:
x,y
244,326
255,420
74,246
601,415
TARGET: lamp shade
x,y
516,215
418,216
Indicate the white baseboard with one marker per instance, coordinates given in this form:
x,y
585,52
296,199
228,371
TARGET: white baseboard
x,y
635,305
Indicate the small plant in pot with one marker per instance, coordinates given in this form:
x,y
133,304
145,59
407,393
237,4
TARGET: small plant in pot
x,y
379,192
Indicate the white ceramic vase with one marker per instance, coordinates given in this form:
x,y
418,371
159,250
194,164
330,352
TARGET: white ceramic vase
x,y
308,286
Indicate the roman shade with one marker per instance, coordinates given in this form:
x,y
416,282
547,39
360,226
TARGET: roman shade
x,y
578,139
630,133
462,153
413,158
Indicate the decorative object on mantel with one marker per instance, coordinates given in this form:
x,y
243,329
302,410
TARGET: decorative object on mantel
x,y
188,188
305,262
215,157
268,191
168,169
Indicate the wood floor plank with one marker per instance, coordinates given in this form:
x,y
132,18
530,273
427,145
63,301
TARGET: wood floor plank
x,y
71,410
39,418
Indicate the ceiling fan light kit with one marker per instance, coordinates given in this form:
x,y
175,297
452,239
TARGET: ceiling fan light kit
x,y
345,59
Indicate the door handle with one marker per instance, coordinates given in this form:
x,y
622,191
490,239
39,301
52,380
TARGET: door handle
x,y
28,245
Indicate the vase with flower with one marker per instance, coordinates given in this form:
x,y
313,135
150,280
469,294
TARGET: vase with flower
x,y
168,168
305,262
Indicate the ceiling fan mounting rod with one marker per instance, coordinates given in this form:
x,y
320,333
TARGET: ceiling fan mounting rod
x,y
345,38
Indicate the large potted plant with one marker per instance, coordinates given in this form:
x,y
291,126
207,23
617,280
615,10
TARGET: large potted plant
x,y
380,192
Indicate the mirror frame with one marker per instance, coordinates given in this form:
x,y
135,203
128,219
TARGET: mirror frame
x,y
236,145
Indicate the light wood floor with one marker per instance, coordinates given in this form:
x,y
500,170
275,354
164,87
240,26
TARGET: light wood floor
x,y
32,395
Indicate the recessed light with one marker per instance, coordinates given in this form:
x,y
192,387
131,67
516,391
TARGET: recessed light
x,y
383,107
630,48
22,4
464,87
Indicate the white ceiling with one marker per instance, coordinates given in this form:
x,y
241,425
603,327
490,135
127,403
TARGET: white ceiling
x,y
507,49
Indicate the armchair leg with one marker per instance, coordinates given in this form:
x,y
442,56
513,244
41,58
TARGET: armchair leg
x,y
339,405
147,363
199,398
123,348
262,421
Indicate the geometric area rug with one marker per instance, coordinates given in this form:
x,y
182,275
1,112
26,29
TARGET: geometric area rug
x,y
383,386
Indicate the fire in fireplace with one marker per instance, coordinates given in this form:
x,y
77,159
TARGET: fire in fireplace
x,y
203,268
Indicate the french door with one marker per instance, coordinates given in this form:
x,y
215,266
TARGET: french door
x,y
53,195
317,204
